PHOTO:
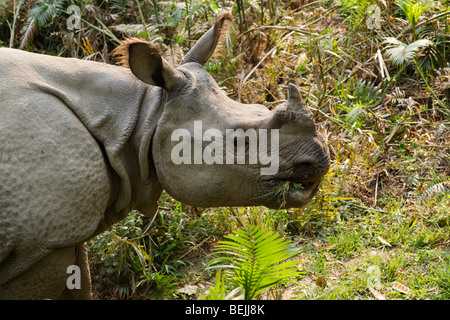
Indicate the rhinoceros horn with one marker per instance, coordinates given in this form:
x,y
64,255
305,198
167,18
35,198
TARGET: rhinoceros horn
x,y
204,48
296,105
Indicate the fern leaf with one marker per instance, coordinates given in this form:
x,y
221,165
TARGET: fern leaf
x,y
45,10
257,259
437,186
400,53
353,116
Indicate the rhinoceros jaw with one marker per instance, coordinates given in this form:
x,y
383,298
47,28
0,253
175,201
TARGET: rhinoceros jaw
x,y
300,194
291,194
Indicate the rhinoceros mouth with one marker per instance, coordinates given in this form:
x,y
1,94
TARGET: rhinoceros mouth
x,y
291,193
301,195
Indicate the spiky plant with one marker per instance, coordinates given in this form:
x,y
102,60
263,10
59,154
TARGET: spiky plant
x,y
44,11
400,53
413,10
256,259
218,291
437,186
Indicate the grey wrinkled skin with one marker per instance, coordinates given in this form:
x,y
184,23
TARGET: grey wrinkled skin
x,y
83,143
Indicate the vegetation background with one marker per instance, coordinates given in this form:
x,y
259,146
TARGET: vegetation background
x,y
376,75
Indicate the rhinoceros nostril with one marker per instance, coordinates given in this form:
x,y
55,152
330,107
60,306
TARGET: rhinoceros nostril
x,y
305,167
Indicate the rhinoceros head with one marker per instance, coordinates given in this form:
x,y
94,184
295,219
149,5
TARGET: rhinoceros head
x,y
210,150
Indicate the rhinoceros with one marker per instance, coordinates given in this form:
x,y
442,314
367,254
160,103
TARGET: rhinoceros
x,y
83,143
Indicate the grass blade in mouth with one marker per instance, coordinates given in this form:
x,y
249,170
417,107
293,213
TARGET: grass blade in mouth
x,y
281,191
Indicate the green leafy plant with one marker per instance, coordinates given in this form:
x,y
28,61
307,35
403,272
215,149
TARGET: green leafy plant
x,y
163,285
358,103
44,11
437,186
402,53
256,259
355,11
413,10
367,94
218,291
442,277
124,256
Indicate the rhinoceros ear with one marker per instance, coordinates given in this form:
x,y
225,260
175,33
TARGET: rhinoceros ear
x,y
147,64
205,46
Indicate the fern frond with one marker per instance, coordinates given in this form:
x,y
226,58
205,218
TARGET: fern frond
x,y
217,292
414,9
257,259
400,53
135,30
437,186
45,10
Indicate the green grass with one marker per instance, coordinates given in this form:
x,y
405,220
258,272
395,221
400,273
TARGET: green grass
x,y
407,246
416,257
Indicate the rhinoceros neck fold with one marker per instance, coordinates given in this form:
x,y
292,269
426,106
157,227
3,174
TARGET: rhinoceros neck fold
x,y
121,113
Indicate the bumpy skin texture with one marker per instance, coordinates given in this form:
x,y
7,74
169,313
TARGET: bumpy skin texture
x,y
84,143
51,168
